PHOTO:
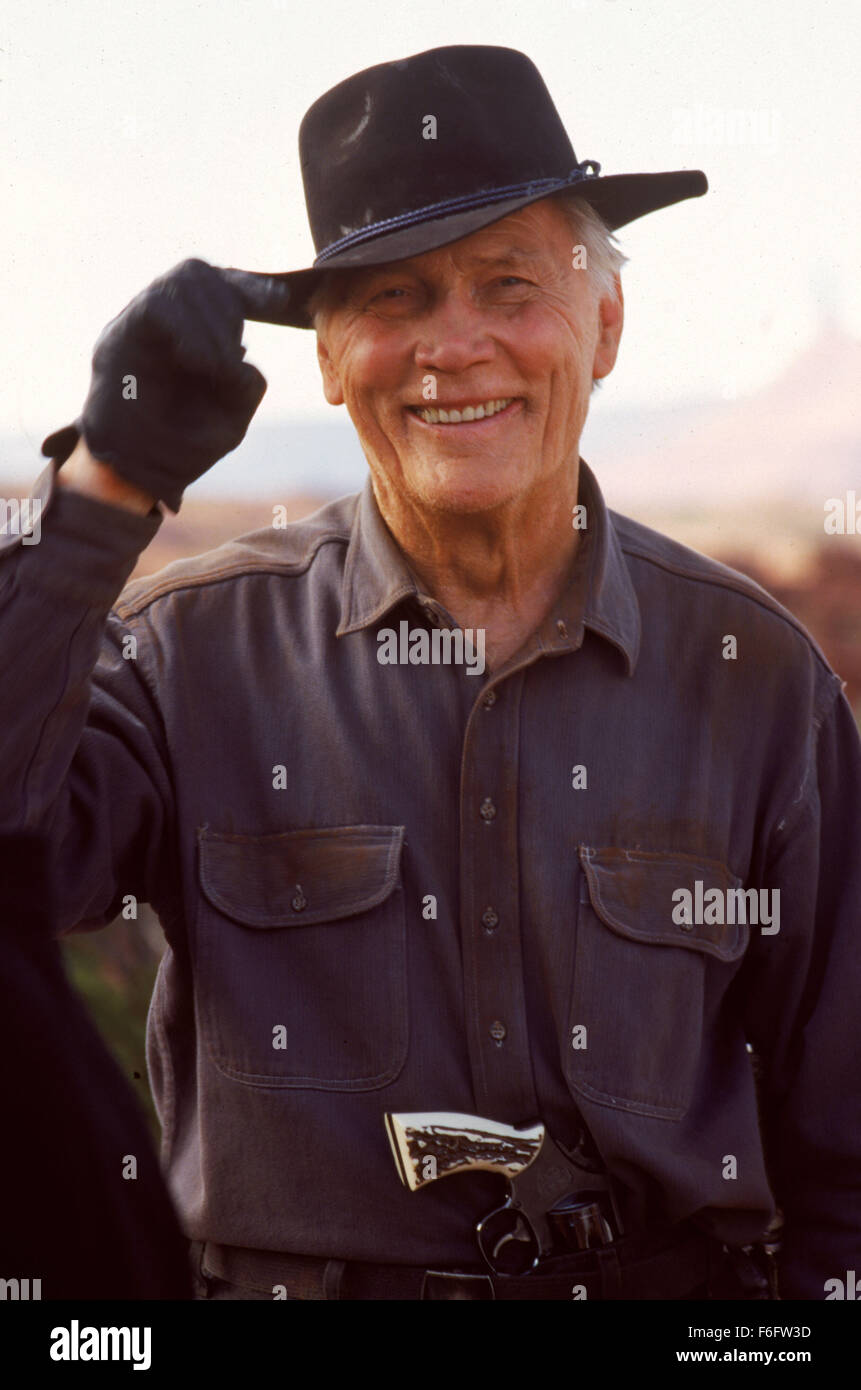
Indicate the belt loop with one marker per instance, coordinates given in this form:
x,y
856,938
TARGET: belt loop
x,y
610,1271
333,1278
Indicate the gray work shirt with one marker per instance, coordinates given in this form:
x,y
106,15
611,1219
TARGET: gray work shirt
x,y
401,887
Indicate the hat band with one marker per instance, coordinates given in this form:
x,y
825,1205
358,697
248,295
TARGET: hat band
x,y
589,169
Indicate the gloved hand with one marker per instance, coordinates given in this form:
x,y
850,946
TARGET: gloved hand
x,y
170,393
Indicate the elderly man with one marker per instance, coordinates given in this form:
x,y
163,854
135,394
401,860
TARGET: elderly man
x,y
572,899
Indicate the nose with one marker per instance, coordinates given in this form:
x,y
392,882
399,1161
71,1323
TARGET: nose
x,y
455,335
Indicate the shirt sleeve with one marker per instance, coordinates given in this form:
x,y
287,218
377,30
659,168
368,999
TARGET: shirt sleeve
x,y
803,1013
84,758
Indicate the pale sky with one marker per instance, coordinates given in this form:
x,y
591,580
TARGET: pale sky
x,y
135,135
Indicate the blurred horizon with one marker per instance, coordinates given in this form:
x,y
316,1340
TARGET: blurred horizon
x,y
752,472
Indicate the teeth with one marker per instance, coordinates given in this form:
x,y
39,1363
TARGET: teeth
x,y
433,416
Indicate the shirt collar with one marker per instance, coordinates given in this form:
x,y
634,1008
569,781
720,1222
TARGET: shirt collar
x,y
600,595
376,576
611,609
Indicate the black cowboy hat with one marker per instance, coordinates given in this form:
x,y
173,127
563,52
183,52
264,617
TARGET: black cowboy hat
x,y
411,155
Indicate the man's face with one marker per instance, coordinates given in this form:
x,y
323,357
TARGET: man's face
x,y
499,315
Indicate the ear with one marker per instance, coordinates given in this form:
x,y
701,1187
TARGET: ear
x,y
611,311
331,380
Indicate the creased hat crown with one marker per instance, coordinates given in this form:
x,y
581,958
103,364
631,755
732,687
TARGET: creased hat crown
x,y
411,155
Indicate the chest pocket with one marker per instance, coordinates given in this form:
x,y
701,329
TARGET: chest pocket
x,y
647,987
301,956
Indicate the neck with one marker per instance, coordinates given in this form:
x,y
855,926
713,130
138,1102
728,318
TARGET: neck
x,y
501,570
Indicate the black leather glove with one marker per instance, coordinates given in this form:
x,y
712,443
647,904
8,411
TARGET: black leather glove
x,y
170,393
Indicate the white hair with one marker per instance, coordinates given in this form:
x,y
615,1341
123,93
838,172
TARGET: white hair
x,y
603,259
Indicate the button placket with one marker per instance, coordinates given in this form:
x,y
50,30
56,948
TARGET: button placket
x,y
494,989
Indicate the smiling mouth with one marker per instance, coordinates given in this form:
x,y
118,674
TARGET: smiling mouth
x,y
466,415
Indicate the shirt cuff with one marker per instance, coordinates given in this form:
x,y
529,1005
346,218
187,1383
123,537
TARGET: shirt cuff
x,y
82,548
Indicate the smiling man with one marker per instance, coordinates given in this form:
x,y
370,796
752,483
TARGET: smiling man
x,y
467,374
509,925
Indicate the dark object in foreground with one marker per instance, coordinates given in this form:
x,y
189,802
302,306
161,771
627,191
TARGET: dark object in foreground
x,y
71,1219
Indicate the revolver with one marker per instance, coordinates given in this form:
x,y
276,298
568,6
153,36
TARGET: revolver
x,y
555,1203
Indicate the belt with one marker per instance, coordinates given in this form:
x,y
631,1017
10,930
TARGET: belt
x,y
664,1264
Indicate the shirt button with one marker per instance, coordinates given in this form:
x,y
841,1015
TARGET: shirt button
x,y
487,810
686,926
561,628
489,700
490,919
298,902
497,1032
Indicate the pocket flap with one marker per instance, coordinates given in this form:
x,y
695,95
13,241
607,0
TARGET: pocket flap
x,y
300,877
632,892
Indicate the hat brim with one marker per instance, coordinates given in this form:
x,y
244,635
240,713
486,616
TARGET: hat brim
x,y
618,199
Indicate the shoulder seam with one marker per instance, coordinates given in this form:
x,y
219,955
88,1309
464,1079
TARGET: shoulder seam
x,y
231,570
726,581
789,821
